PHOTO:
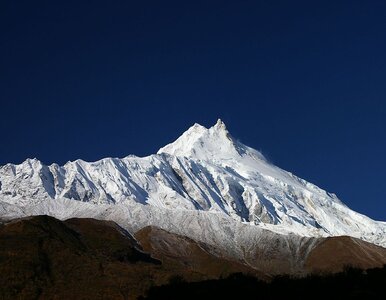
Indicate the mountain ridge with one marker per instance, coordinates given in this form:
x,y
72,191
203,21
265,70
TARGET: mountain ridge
x,y
203,170
43,257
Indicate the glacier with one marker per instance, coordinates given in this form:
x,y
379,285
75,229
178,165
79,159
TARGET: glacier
x,y
205,185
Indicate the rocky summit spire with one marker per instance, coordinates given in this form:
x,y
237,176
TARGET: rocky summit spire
x,y
220,125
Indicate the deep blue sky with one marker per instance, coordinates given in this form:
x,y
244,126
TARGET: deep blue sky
x,y
302,81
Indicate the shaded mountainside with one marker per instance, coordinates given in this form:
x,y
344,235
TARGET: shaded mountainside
x,y
42,257
333,254
175,249
327,255
268,252
45,258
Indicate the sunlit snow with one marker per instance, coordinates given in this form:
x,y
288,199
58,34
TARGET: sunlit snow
x,y
204,175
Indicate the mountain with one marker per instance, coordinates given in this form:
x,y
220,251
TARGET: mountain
x,y
44,258
204,170
205,187
173,249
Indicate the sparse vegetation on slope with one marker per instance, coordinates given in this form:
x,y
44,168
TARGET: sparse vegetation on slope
x,y
349,284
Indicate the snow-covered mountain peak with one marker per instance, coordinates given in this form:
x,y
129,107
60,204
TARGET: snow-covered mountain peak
x,y
201,143
219,130
185,142
204,170
32,162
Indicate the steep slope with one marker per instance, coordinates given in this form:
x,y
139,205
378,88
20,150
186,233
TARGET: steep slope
x,y
184,252
204,170
322,255
217,235
44,258
260,248
334,254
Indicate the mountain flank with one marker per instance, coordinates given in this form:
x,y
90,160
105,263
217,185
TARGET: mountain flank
x,y
45,258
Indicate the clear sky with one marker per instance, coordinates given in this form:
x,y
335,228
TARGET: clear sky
x,y
302,81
